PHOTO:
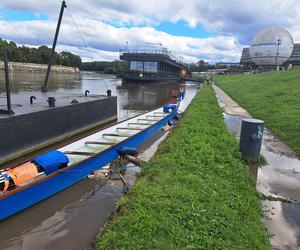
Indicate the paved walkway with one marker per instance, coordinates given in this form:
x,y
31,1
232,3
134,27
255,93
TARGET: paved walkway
x,y
279,178
230,106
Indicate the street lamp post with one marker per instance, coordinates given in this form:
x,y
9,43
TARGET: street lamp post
x,y
278,44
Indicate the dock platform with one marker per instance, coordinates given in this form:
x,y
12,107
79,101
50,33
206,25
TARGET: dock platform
x,y
36,125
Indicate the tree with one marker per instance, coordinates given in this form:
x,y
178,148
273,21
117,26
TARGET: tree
x,y
44,53
114,67
68,59
201,65
38,55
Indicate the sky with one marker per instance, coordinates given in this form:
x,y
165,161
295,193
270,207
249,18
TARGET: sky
x,y
210,30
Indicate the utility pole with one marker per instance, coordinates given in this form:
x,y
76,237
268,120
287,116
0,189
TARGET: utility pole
x,y
278,44
6,74
63,6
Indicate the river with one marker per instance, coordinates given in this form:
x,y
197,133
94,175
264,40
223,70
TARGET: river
x,y
73,218
133,99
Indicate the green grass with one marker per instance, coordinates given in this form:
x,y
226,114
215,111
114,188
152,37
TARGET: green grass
x,y
196,193
273,97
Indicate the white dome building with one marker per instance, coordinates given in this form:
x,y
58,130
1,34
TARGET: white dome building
x,y
271,47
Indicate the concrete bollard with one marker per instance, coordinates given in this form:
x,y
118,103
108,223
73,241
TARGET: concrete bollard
x,y
251,138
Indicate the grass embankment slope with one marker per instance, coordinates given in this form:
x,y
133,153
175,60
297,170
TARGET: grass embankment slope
x,y
273,97
197,194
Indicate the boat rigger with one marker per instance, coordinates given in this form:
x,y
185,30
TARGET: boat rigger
x,y
25,185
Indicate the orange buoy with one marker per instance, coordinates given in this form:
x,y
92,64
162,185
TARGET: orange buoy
x,y
23,173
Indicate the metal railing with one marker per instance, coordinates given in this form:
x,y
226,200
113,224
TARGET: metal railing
x,y
162,51
152,74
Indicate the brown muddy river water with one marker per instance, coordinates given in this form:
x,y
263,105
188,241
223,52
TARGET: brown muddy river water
x,y
73,218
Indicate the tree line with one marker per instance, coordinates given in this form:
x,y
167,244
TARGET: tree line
x,y
41,55
37,55
115,67
200,66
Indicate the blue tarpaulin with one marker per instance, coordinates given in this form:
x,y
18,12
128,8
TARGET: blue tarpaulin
x,y
51,161
169,108
127,151
181,95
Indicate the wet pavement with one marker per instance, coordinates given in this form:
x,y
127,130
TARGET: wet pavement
x,y
279,178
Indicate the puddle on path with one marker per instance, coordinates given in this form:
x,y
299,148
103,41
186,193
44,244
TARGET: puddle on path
x,y
280,177
283,220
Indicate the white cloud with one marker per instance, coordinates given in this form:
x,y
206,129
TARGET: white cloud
x,y
233,23
105,40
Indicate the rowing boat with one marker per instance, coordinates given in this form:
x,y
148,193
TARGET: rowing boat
x,y
47,174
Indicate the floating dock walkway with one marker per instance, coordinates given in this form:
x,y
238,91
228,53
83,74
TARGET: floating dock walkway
x,y
34,125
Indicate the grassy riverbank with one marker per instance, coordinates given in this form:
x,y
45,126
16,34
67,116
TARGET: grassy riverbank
x,y
273,97
197,194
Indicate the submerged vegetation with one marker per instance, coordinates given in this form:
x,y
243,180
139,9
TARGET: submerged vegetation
x,y
197,195
273,97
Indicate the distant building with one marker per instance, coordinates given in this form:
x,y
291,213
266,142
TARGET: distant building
x,y
153,65
271,48
227,64
295,56
294,59
246,60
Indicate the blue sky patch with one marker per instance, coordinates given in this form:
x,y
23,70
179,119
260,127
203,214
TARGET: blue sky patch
x,y
181,28
18,15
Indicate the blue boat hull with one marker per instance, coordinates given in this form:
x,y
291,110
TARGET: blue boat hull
x,y
34,194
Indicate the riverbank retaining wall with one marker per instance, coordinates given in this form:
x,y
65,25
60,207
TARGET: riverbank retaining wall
x,y
34,67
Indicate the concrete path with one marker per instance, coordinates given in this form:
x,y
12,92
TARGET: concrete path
x,y
230,106
279,178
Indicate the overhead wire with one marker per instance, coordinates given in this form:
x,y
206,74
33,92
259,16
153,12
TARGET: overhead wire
x,y
80,35
83,41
